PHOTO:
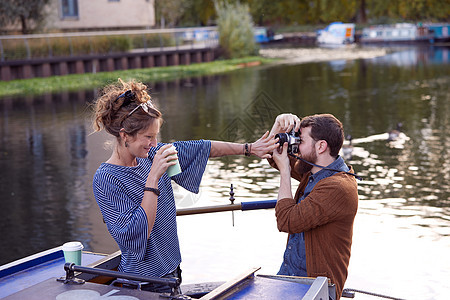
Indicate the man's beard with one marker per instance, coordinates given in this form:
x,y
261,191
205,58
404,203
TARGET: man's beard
x,y
302,167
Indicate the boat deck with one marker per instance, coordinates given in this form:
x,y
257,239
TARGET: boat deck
x,y
35,277
23,274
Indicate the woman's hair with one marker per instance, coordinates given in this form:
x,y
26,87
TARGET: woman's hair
x,y
112,112
326,127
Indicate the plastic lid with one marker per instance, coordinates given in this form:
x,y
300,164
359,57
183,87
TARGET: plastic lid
x,y
72,246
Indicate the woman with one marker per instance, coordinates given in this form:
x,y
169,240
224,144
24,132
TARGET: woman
x,y
132,187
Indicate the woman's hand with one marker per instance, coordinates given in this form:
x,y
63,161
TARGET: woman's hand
x,y
285,123
264,147
164,158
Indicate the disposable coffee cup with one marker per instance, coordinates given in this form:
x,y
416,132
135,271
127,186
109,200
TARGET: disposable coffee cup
x,y
72,252
175,169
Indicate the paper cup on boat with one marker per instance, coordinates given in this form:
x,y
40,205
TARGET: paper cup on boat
x,y
175,169
72,252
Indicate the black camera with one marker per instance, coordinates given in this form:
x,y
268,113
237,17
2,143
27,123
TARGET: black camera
x,y
292,138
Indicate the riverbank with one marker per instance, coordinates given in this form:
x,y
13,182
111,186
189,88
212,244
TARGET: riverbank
x,y
37,86
303,55
74,82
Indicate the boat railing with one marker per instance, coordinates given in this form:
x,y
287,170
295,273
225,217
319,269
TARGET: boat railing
x,y
71,268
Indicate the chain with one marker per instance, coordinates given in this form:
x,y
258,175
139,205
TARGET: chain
x,y
371,294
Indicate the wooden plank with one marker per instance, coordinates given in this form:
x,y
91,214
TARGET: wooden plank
x,y
229,284
207,209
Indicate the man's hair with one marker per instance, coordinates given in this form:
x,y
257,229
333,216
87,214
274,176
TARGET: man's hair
x,y
326,127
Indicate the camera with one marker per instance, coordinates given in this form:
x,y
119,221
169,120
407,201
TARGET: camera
x,y
292,138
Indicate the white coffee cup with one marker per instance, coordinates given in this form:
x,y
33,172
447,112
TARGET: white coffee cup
x,y
72,252
175,169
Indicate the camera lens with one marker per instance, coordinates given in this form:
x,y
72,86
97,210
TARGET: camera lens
x,y
282,138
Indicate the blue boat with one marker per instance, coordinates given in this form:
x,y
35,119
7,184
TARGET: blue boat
x,y
264,35
46,275
440,31
337,33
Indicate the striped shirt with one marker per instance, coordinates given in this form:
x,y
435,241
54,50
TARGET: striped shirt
x,y
118,191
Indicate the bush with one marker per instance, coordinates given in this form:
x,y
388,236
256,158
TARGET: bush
x,y
235,28
17,49
153,40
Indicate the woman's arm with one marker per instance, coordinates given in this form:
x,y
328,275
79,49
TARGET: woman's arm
x,y
163,158
262,148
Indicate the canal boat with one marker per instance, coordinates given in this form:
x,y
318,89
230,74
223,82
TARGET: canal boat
x,y
398,33
440,31
337,33
263,35
46,275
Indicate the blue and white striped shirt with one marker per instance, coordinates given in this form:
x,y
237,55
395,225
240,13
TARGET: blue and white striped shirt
x,y
118,191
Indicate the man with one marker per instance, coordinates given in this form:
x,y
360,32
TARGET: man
x,y
319,218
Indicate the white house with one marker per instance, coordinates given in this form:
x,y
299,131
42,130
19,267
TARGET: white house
x,y
100,14
81,15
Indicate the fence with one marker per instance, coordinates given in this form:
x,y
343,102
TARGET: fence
x,y
40,55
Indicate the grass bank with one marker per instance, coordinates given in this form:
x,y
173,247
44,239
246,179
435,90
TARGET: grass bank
x,y
36,86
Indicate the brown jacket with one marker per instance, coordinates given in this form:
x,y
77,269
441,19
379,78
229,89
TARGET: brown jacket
x,y
326,217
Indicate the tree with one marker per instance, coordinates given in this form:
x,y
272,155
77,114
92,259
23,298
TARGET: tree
x,y
200,12
170,11
361,16
29,13
235,28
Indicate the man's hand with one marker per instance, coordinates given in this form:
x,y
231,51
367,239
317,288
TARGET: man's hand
x,y
285,123
281,158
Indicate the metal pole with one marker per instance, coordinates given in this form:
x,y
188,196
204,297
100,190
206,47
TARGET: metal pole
x,y
145,42
172,282
207,209
28,48
70,46
253,205
1,51
161,44
50,52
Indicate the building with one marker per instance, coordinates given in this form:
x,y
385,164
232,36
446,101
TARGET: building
x,y
75,15
82,15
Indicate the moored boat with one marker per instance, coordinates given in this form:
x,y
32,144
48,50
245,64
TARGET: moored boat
x,y
337,33
263,35
440,31
398,33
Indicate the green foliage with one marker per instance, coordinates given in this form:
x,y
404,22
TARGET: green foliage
x,y
29,13
38,48
294,12
75,82
152,40
170,11
235,27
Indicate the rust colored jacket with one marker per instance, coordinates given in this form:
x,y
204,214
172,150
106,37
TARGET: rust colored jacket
x,y
326,217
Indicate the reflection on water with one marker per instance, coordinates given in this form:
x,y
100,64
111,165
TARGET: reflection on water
x,y
43,171
412,56
48,156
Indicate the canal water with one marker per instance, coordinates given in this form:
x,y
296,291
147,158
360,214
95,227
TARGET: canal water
x,y
48,155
